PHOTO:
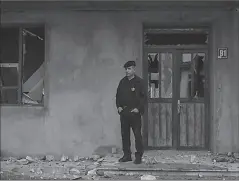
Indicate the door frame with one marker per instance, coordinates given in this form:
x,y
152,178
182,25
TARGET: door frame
x,y
175,50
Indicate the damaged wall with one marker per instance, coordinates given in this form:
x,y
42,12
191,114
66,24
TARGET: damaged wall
x,y
85,54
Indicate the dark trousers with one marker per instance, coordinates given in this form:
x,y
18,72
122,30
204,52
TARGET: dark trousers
x,y
131,120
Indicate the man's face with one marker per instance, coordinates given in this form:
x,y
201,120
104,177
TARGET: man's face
x,y
130,71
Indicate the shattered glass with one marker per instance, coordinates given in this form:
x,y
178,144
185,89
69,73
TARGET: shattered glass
x,y
154,39
33,66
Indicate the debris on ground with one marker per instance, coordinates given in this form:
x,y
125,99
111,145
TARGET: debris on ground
x,y
192,158
23,161
74,171
88,167
226,157
76,158
64,158
49,158
200,175
30,159
148,177
100,173
92,172
95,157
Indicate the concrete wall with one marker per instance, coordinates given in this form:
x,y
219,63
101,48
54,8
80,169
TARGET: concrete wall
x,y
225,84
86,51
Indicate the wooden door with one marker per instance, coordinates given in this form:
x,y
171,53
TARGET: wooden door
x,y
177,93
159,75
192,93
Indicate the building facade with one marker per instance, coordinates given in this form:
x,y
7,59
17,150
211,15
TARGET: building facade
x,y
61,64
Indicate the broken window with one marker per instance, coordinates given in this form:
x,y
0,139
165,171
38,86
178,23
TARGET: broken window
x,y
178,37
192,82
153,75
22,65
160,75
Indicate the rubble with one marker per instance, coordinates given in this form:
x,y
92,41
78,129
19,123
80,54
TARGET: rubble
x,y
42,158
100,173
148,177
32,170
74,171
76,158
236,155
30,159
92,172
200,175
76,177
64,158
23,161
39,171
49,158
192,158
95,157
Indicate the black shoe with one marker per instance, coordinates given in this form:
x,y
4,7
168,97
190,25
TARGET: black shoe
x,y
125,159
138,160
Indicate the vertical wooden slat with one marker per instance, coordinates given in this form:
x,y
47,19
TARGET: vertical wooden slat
x,y
156,126
153,126
183,126
197,127
203,126
150,125
192,121
163,124
169,125
190,112
157,134
187,124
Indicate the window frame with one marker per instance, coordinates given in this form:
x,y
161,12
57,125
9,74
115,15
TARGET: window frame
x,y
19,64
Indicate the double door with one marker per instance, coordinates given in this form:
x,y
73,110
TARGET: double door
x,y
177,107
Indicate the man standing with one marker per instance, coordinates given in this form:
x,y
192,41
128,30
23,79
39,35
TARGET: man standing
x,y
130,101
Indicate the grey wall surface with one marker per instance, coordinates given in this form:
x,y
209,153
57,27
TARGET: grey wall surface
x,y
225,84
85,55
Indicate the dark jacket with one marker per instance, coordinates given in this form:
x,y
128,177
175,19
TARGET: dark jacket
x,y
131,94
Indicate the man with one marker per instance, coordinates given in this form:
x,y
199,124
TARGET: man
x,y
130,101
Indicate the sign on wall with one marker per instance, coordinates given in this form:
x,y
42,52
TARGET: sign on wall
x,y
222,53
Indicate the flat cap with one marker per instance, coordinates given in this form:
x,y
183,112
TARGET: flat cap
x,y
129,64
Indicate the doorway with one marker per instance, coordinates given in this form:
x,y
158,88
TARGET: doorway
x,y
176,70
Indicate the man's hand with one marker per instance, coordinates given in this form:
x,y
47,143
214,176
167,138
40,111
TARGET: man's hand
x,y
120,109
135,110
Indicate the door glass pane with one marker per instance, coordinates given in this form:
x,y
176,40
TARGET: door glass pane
x,y
166,75
9,96
153,75
192,76
187,57
198,75
9,45
8,76
185,84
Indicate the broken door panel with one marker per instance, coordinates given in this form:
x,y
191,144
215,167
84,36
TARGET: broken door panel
x,y
33,65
